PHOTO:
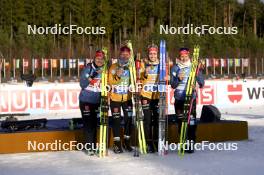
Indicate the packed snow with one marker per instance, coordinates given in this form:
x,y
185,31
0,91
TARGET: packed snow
x,y
248,159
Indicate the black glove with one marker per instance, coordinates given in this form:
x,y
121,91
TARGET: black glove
x,y
94,74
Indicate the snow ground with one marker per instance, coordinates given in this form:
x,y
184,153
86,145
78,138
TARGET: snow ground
x,y
248,159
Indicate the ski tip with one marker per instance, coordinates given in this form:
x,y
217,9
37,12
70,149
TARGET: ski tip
x,y
197,47
162,42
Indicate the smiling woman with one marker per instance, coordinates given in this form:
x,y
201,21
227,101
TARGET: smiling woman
x,y
57,29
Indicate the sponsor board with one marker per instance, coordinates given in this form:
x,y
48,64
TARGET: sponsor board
x,y
51,97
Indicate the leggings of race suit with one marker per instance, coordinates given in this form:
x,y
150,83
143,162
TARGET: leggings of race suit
x,y
191,129
116,114
150,110
89,115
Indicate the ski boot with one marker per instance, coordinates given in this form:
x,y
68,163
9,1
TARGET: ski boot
x,y
89,152
150,147
190,148
127,145
117,148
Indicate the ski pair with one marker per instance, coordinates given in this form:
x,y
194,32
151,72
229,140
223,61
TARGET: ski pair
x,y
162,88
134,69
104,109
188,103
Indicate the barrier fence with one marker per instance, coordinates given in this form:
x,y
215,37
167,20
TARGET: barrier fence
x,y
61,68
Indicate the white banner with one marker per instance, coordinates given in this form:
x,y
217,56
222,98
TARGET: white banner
x,y
50,98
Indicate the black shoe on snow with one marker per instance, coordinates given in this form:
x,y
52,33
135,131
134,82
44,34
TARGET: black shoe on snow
x,y
191,147
127,145
89,152
150,147
190,151
117,148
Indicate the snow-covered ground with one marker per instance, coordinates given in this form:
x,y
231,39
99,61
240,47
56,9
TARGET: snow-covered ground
x,y
248,159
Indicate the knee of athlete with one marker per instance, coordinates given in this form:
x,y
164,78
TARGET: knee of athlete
x,y
179,116
178,112
86,114
97,110
193,121
116,113
145,105
129,111
86,111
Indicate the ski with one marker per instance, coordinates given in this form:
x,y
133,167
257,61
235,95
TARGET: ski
x,y
138,107
104,109
162,100
139,129
167,95
189,100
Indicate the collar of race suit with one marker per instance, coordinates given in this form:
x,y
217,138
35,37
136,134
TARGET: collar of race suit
x,y
148,62
184,64
123,63
94,66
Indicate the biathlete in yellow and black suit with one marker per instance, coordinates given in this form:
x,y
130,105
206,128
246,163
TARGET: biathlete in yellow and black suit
x,y
150,97
121,97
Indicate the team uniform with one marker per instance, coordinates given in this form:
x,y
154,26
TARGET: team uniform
x,y
89,99
150,100
180,93
121,97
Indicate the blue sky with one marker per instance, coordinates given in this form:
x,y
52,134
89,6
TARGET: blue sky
x,y
242,1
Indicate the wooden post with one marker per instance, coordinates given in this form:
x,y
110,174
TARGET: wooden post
x,y
206,70
14,68
51,64
78,68
1,63
42,71
221,68
235,65
69,68
214,65
228,66
242,65
61,65
249,66
262,71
